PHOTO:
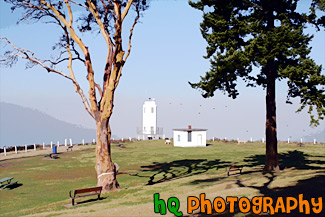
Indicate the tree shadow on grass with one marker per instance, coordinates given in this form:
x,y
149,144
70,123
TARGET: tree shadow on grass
x,y
167,171
291,159
310,188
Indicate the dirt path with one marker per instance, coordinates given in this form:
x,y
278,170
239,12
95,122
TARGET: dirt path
x,y
48,150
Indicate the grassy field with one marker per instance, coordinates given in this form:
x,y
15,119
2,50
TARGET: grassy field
x,y
149,167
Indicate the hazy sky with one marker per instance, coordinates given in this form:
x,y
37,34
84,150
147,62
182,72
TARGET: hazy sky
x,y
166,53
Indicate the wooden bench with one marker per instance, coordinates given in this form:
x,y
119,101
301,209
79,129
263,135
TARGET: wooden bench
x,y
6,182
300,145
85,192
234,168
69,148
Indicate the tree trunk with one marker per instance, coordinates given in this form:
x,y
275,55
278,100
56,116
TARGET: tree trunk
x,y
272,162
105,168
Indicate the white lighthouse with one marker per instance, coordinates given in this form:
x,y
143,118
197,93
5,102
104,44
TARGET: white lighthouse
x,y
149,128
149,120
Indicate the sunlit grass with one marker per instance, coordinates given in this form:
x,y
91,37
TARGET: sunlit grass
x,y
148,167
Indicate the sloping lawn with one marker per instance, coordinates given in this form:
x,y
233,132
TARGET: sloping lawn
x,y
149,167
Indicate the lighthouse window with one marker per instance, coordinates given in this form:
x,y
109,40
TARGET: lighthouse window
x,y
152,109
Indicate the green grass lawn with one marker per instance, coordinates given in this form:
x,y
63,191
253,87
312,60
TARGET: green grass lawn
x,y
149,167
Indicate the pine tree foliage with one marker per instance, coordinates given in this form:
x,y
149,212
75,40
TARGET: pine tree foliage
x,y
242,34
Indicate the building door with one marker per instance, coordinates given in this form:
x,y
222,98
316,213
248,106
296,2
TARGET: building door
x,y
199,138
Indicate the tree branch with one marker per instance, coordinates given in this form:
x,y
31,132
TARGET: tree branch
x,y
29,55
108,40
131,33
64,59
77,3
126,9
105,33
99,90
75,37
68,42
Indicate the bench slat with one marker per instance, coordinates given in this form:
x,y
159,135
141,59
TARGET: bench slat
x,y
85,195
86,190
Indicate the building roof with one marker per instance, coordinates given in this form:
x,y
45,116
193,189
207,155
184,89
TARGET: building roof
x,y
193,129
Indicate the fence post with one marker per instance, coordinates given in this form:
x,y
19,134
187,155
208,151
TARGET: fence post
x,y
34,147
5,151
16,150
25,148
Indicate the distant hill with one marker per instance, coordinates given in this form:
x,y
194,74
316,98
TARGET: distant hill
x,y
20,126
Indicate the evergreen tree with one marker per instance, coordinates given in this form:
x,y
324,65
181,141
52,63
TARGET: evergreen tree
x,y
267,34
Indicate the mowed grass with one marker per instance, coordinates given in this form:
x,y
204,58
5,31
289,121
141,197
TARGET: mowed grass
x,y
149,167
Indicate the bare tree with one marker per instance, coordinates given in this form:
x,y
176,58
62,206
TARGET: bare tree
x,y
104,16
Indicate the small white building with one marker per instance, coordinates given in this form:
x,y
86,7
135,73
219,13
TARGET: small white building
x,y
190,137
